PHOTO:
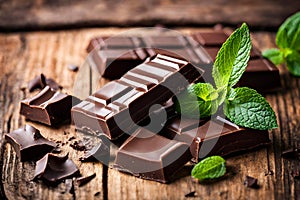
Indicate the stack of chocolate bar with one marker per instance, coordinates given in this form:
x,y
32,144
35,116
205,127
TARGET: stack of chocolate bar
x,y
150,71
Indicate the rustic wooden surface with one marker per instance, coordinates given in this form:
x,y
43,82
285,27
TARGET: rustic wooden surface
x,y
36,14
24,55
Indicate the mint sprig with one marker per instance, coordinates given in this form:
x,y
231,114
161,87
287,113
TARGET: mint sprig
x,y
209,168
288,43
243,106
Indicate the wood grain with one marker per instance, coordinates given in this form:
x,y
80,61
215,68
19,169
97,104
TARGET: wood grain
x,y
37,14
24,55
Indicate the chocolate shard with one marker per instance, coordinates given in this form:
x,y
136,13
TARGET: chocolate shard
x,y
81,181
120,105
53,84
191,194
48,107
53,169
29,144
99,153
150,156
38,82
292,153
251,182
217,136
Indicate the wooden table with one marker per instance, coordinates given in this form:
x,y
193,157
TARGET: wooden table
x,y
24,55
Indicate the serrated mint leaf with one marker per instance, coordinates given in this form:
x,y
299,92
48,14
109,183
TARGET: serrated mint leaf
x,y
209,168
198,101
232,58
274,55
288,35
246,107
293,63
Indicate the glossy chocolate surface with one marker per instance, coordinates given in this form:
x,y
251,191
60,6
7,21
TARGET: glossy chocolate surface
x,y
48,107
29,144
150,156
216,136
118,106
53,169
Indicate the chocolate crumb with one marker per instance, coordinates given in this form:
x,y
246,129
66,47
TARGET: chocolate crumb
x,y
97,193
73,68
84,180
78,145
251,182
71,138
191,194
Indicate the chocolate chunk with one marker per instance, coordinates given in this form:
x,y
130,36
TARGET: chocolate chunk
x,y
291,154
53,169
120,105
210,38
53,84
251,182
73,68
29,144
217,136
150,156
84,180
38,82
48,107
99,153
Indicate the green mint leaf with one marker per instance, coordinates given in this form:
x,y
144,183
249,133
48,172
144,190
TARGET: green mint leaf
x,y
288,35
293,63
198,101
274,55
232,58
209,168
246,107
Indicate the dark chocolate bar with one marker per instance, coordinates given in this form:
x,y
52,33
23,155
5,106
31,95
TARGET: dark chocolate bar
x,y
150,156
53,169
29,144
216,136
48,107
114,56
120,105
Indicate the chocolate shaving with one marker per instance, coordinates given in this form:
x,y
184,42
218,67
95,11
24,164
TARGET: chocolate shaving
x,y
84,180
191,194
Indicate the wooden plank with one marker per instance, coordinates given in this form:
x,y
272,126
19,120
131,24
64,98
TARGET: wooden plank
x,y
30,14
23,55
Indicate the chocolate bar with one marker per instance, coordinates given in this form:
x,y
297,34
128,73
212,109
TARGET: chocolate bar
x,y
120,105
216,136
53,169
48,107
150,156
114,56
29,144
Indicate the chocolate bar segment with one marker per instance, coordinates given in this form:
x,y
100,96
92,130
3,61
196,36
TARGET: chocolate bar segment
x,y
118,106
48,107
29,144
150,156
217,136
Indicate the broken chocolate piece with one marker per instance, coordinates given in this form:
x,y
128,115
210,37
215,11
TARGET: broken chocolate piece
x,y
48,107
81,181
29,144
191,194
150,156
291,154
53,169
251,182
98,153
120,105
217,136
38,82
53,84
